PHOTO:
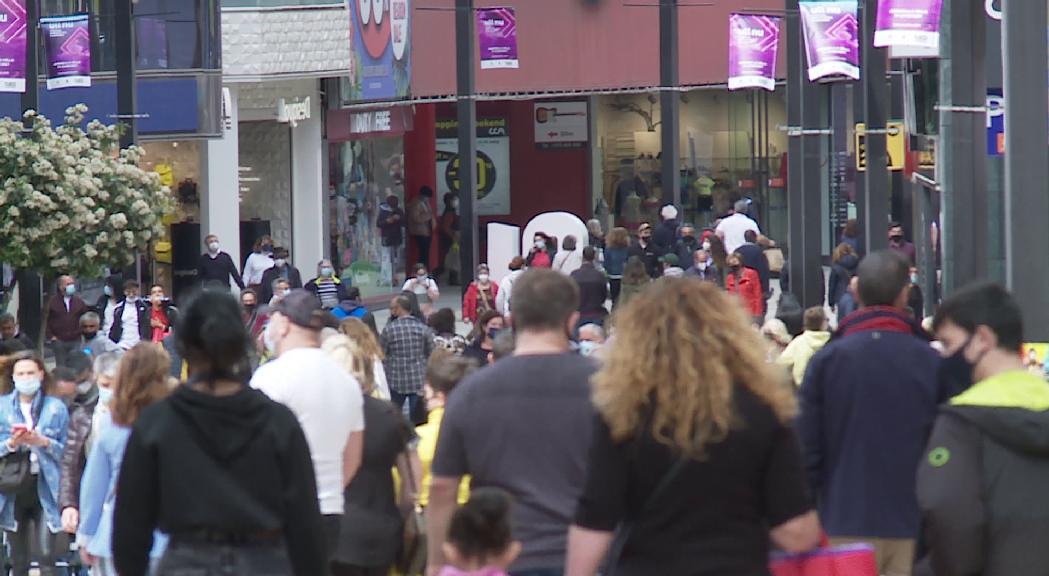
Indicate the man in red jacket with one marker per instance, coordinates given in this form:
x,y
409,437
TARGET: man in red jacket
x,y
63,319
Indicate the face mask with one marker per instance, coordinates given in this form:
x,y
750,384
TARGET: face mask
x,y
914,278
70,290
493,332
28,387
249,307
735,267
706,246
268,338
105,396
107,291
89,335
482,278
84,387
646,238
267,249
956,372
285,292
213,247
540,244
702,265
279,262
132,299
896,238
586,347
327,272
421,275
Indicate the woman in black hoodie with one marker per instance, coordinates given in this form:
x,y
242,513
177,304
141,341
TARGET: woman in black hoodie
x,y
222,469
843,267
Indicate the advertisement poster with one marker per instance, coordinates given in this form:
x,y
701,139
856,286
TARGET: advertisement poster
x,y
493,163
908,23
381,38
497,38
753,41
561,124
832,44
67,44
12,45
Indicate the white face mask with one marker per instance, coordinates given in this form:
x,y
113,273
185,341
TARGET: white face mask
x,y
28,386
706,246
586,347
84,387
279,262
702,265
482,278
269,339
213,247
540,244
105,395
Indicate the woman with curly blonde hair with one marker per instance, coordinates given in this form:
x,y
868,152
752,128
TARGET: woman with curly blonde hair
x,y
364,361
693,446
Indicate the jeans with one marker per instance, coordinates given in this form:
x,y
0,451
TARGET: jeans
x,y
416,407
614,286
31,524
200,559
63,350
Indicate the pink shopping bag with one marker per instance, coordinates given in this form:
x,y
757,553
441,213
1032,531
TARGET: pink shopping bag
x,y
850,560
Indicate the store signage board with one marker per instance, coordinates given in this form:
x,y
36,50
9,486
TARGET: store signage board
x,y
561,124
381,49
911,23
752,46
497,38
294,112
67,44
12,46
493,163
895,146
832,45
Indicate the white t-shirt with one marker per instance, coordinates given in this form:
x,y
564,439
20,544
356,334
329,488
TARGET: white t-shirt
x,y
107,316
420,288
733,228
327,401
254,268
130,336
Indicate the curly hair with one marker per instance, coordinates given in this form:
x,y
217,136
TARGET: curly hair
x,y
142,379
619,237
680,350
358,353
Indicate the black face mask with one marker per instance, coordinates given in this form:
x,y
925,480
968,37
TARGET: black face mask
x,y
956,372
90,335
896,239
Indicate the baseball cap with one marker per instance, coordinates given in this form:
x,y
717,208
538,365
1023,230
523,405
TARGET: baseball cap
x,y
302,308
644,226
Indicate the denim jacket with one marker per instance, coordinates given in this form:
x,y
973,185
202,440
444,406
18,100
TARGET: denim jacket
x,y
52,423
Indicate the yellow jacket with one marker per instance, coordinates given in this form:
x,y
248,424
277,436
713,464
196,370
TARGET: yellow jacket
x,y
801,350
427,447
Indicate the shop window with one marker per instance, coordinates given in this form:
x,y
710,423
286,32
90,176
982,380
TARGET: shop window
x,y
265,181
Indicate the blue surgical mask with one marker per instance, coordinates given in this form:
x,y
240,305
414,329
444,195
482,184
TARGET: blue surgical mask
x,y
105,395
327,272
28,386
586,347
108,291
493,332
70,290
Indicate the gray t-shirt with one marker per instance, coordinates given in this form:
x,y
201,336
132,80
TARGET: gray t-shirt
x,y
524,425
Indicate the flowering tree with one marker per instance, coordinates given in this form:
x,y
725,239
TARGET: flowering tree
x,y
70,200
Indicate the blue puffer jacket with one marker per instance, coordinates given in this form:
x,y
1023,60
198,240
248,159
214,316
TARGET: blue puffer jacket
x,y
53,423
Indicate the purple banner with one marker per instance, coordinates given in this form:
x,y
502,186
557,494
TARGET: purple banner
x,y
67,44
12,45
908,23
752,44
497,38
832,43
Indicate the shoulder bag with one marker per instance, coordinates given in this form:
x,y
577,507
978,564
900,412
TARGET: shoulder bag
x,y
15,468
412,559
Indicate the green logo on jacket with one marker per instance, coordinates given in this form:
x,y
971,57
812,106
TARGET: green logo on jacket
x,y
938,457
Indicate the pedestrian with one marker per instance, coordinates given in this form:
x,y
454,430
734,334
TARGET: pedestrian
x,y
143,380
354,307
406,345
617,249
693,446
391,223
131,319
215,267
981,482
281,288
421,224
259,261
480,296
506,285
665,235
480,536
595,234
686,245
221,469
879,369
731,230
371,531
443,374
327,286
503,347
754,258
447,234
800,351
368,368
112,295
424,287
9,332
254,320
92,342
482,342
671,267
63,319
593,289
848,304
33,427
591,339
899,243
324,397
718,256
635,280
745,283
543,382
570,258
162,314
844,261
442,322
81,433
915,299
646,250
703,268
541,254
282,270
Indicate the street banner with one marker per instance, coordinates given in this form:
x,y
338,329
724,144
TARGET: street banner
x,y
12,45
752,44
380,49
497,42
832,44
911,23
67,44
492,163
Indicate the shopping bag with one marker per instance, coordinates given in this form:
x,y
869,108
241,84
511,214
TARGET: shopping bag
x,y
848,560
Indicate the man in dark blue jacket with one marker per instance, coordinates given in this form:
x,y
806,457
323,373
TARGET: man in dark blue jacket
x,y
868,403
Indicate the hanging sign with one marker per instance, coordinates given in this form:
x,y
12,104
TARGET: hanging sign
x,y
752,44
832,43
380,33
12,45
908,23
497,38
67,44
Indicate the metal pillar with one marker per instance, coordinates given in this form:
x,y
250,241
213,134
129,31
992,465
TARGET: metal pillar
x,y
1026,161
670,101
795,150
808,284
876,98
963,95
466,112
124,42
901,205
30,293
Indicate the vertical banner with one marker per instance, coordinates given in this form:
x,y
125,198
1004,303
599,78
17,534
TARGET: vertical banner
x,y
912,23
492,163
497,41
832,43
753,41
380,35
12,45
67,44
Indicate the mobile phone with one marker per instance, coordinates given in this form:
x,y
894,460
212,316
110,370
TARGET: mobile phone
x,y
17,429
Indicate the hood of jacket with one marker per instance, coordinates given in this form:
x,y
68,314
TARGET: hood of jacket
x,y
223,425
849,262
1012,408
812,340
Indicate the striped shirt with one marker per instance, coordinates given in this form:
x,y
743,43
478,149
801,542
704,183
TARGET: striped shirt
x,y
328,292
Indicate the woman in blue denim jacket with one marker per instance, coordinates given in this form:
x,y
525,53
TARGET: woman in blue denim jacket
x,y
31,420
142,380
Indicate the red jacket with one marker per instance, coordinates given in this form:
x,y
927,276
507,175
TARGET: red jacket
x,y
473,294
748,286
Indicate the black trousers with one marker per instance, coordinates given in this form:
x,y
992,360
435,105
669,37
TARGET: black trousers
x,y
32,529
422,243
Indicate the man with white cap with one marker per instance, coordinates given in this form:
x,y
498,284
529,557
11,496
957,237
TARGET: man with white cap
x,y
665,236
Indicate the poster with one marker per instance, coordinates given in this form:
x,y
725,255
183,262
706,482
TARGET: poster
x,y
832,45
752,44
561,124
493,163
908,23
67,44
12,45
497,38
381,49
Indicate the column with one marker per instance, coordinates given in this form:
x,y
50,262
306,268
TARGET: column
x,y
420,169
220,183
875,211
308,189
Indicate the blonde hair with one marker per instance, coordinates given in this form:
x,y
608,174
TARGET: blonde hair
x,y
363,336
681,349
776,331
346,353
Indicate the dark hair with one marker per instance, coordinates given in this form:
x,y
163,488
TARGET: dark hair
x,y
852,228
115,284
449,197
882,276
589,254
417,267
814,318
569,243
132,284
516,263
210,335
442,321
480,529
64,374
249,291
750,236
486,317
47,383
544,300
353,293
984,304
280,252
634,271
426,191
445,371
895,225
78,362
503,345
161,286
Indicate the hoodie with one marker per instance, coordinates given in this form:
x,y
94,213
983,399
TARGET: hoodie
x,y
801,350
236,464
982,482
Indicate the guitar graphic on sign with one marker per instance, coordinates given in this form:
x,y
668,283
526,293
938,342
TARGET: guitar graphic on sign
x,y
546,115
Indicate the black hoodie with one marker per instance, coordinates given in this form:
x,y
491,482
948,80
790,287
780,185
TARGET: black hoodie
x,y
237,464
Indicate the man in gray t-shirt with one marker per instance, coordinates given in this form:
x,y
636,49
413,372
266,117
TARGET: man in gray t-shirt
x,y
522,425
